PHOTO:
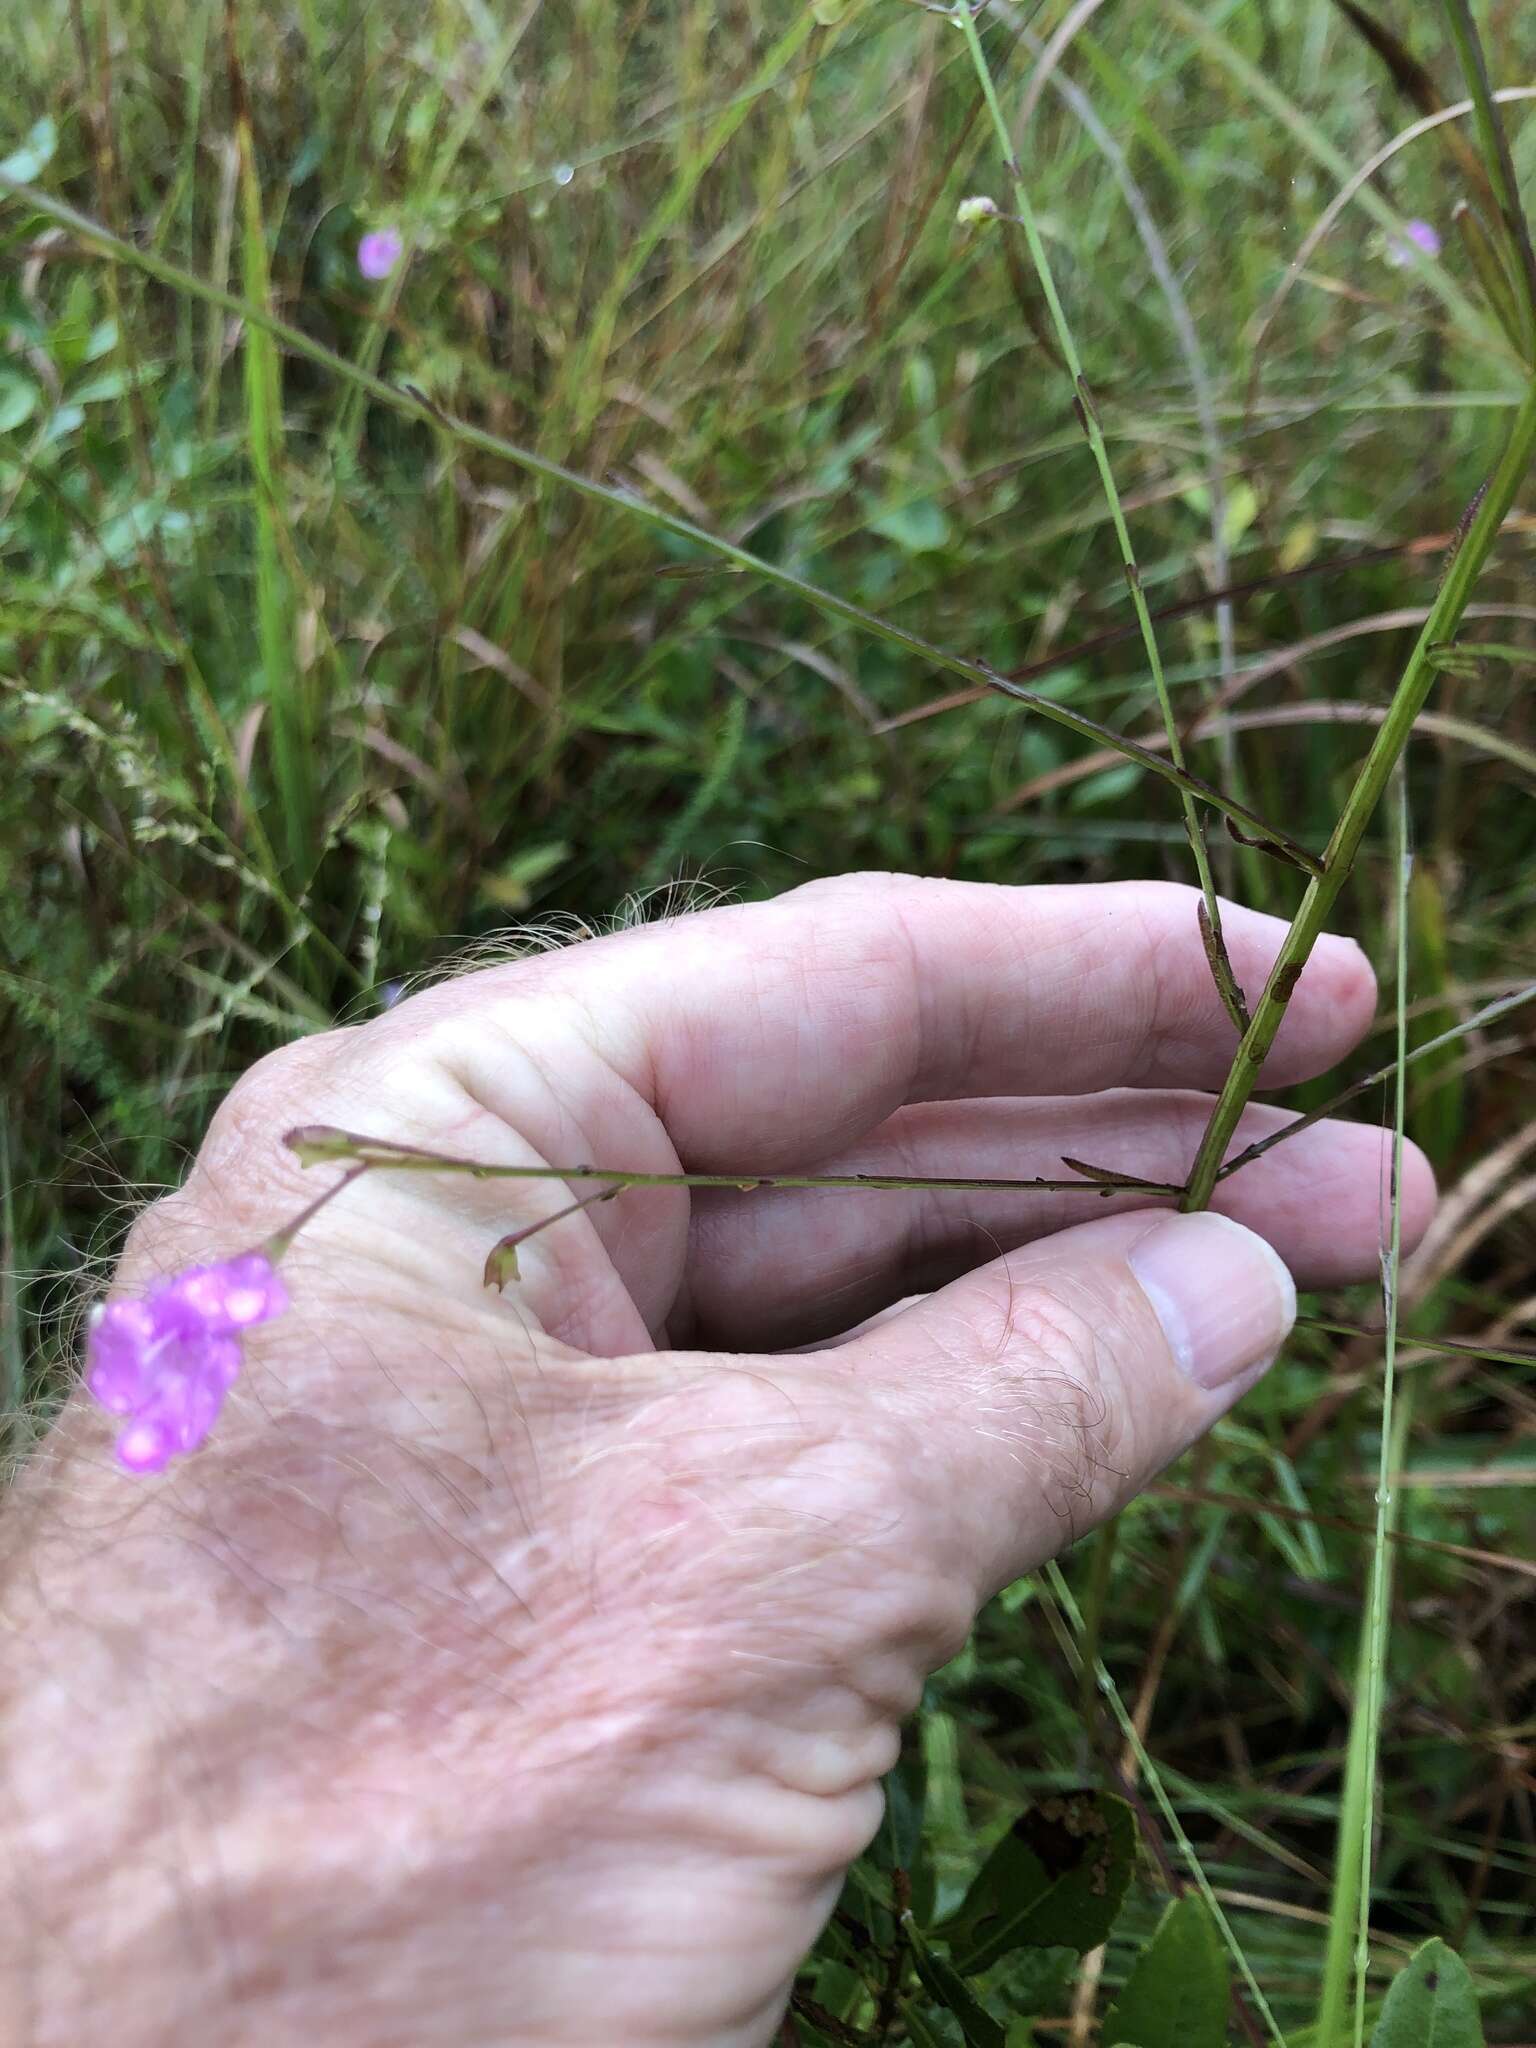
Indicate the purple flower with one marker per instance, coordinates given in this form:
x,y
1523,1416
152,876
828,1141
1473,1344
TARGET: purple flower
x,y
378,252
1418,235
166,1359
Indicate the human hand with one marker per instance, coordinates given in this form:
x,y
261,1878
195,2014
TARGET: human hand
x,y
521,1669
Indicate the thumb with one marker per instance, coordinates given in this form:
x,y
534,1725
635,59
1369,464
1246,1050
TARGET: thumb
x,y
1051,1385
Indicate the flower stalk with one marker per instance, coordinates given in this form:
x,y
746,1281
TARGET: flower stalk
x,y
316,1144
1088,418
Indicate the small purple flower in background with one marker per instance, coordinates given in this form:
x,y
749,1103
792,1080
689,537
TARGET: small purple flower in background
x,y
1421,236
378,252
167,1359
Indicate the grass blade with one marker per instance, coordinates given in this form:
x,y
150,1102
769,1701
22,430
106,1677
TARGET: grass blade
x,y
1087,413
1497,160
1349,1919
290,725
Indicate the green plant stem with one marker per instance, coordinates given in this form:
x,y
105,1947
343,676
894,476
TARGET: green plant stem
x,y
1497,160
1392,736
292,734
320,1144
1087,413
1391,1451
1344,1902
411,404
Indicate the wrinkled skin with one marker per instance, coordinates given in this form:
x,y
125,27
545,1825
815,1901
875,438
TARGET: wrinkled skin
x,y
521,1668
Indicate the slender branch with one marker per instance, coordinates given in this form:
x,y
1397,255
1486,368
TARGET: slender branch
x,y
318,1144
279,1241
1390,1451
1088,418
413,404
1410,1340
1488,1015
501,1261
1078,651
1462,571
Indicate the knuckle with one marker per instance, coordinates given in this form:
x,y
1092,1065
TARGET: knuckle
x,y
861,934
1032,1326
856,882
283,1078
1047,1325
155,1238
288,1086
173,1231
1056,1388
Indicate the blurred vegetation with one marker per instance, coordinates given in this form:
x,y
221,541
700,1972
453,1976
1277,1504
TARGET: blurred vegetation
x,y
297,696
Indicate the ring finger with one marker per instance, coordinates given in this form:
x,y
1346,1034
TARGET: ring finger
x,y
788,1266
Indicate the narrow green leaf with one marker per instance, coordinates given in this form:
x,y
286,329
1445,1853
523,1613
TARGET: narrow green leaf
x,y
1177,1994
1497,161
1466,657
1432,2004
1482,252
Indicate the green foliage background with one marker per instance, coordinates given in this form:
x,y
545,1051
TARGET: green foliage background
x,y
296,698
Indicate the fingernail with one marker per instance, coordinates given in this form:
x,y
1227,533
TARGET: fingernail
x,y
1224,1298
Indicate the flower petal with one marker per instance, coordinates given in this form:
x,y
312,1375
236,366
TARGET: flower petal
x,y
168,1359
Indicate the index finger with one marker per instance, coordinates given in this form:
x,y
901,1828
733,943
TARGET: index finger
x,y
765,1035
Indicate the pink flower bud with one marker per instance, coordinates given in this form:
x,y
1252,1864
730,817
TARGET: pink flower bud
x,y
378,252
